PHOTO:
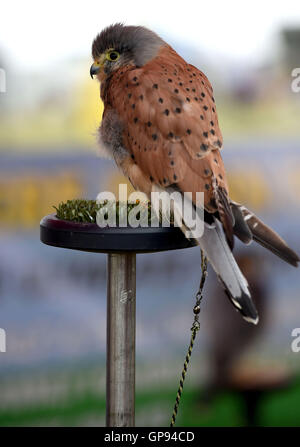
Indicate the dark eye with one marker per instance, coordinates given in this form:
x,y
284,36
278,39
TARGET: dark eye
x,y
113,56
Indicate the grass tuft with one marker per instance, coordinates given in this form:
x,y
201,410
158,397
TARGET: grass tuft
x,y
85,211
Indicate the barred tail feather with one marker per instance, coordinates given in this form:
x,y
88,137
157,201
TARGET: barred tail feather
x,y
215,246
267,237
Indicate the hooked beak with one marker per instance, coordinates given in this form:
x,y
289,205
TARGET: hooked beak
x,y
95,68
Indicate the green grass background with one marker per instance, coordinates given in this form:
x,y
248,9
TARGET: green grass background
x,y
154,407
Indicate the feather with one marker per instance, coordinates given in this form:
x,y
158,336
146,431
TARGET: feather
x,y
215,247
268,238
240,229
225,212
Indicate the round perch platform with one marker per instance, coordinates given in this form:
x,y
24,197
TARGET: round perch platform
x,y
121,245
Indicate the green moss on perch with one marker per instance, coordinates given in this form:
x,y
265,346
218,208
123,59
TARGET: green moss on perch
x,y
85,211
78,210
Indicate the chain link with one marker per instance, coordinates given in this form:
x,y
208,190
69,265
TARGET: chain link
x,y
195,328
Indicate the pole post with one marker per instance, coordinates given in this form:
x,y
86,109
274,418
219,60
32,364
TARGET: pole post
x,y
121,324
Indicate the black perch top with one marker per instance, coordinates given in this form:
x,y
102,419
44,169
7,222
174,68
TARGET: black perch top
x,y
90,237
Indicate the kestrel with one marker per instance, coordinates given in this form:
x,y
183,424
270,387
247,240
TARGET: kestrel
x,y
160,125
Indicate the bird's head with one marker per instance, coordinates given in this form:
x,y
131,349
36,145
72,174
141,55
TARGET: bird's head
x,y
119,45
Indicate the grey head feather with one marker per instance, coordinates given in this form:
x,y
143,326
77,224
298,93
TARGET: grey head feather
x,y
136,43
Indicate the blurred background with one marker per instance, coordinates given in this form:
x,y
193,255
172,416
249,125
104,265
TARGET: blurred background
x,y
52,301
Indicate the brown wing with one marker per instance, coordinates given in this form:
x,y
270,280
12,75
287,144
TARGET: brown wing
x,y
171,125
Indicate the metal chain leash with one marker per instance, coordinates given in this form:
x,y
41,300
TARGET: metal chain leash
x,y
195,328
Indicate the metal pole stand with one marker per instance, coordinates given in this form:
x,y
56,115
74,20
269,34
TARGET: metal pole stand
x,y
121,245
120,342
